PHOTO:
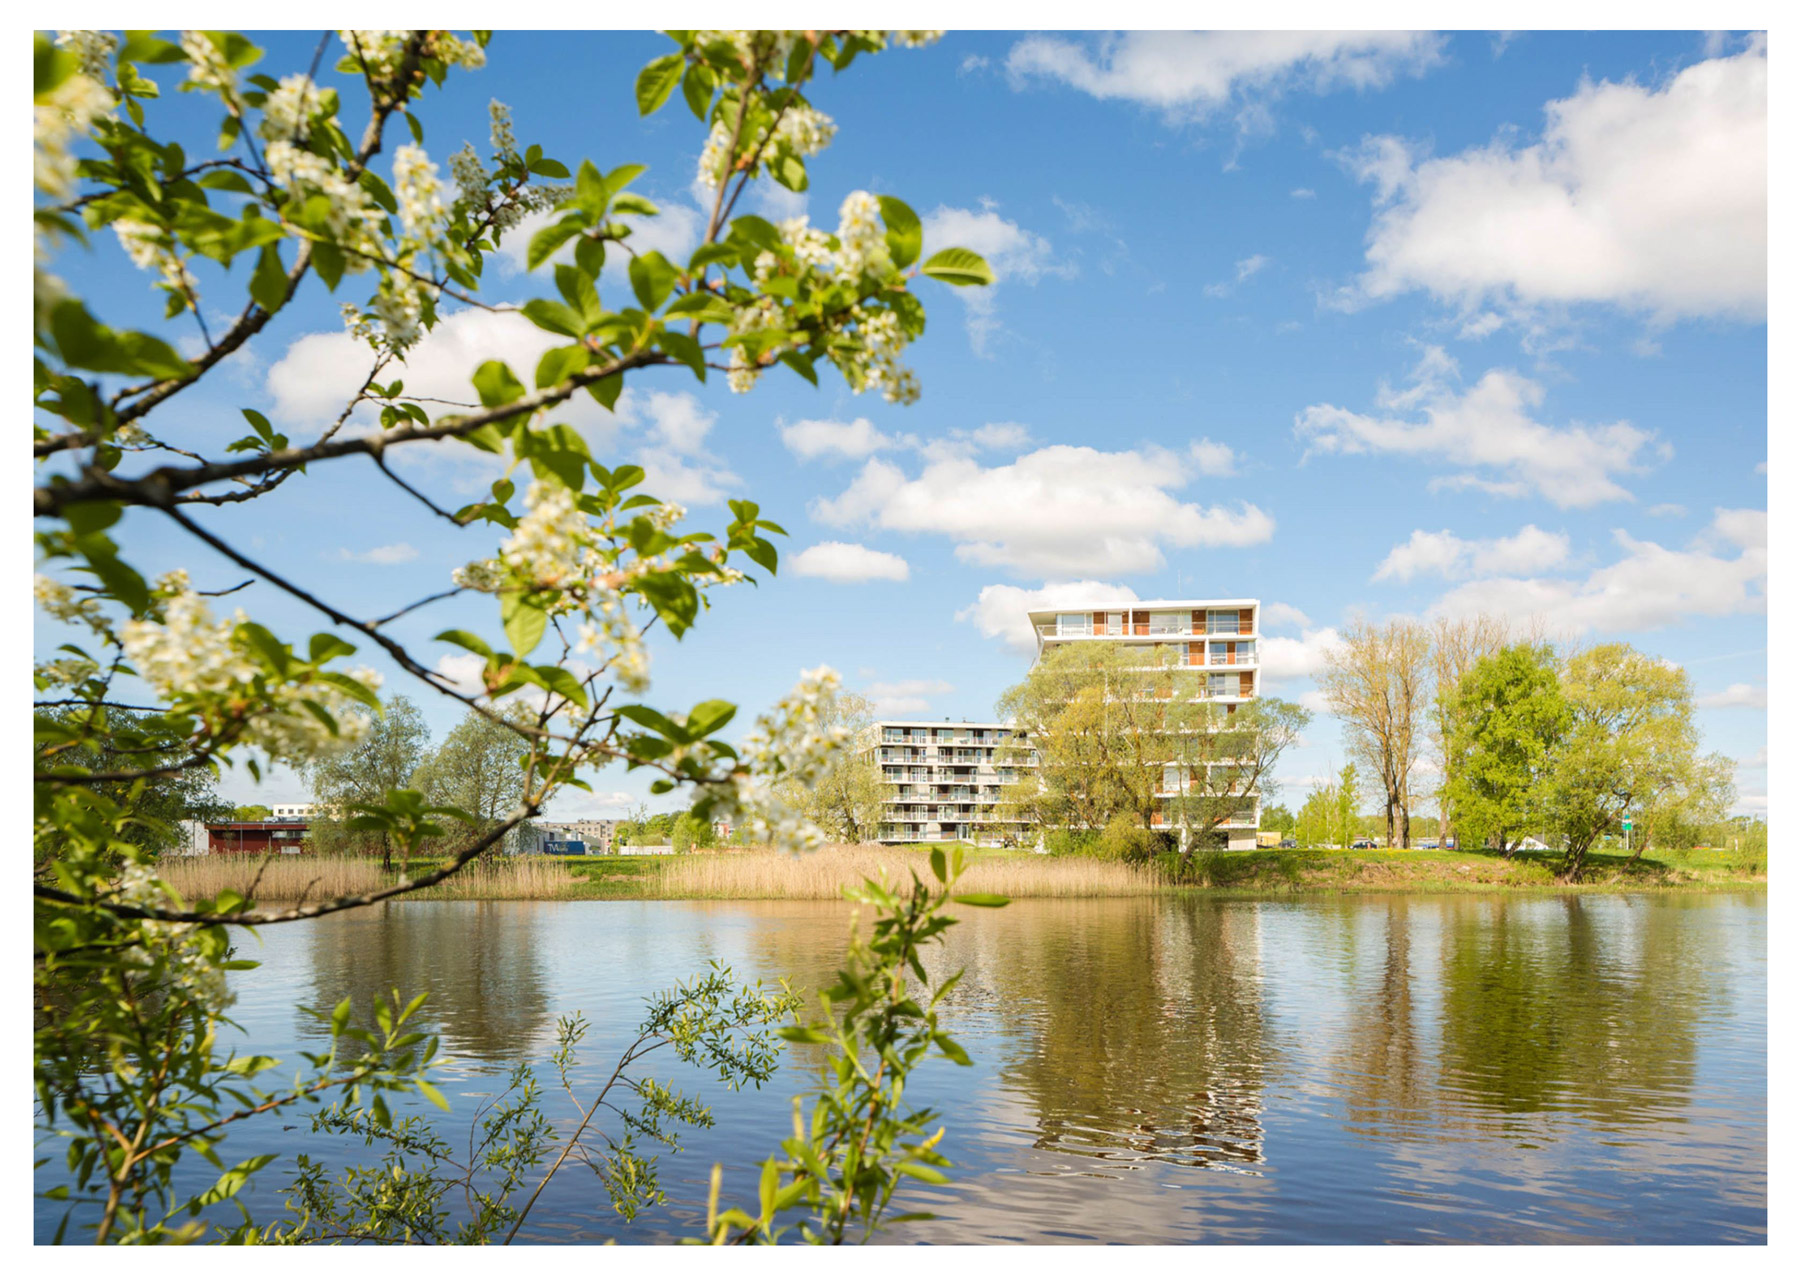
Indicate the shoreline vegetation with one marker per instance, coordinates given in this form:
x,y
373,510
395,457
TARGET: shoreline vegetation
x,y
765,874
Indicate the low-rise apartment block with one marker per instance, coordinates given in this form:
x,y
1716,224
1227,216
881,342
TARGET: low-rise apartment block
x,y
942,782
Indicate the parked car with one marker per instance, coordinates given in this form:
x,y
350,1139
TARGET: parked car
x,y
1362,842
1288,844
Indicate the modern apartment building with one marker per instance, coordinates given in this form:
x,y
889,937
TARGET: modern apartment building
x,y
942,782
1217,640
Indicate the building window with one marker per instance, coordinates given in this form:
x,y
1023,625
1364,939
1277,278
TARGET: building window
x,y
1074,624
1222,622
1162,622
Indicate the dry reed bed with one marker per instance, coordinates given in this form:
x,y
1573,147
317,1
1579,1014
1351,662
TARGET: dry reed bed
x,y
289,879
768,874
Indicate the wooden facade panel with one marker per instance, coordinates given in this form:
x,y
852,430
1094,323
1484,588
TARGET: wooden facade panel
x,y
1245,616
1246,684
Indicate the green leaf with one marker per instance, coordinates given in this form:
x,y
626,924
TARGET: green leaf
x,y
496,384
657,80
546,241
958,267
919,1171
606,390
937,864
467,640
981,899
432,1094
268,284
710,717
325,646
905,236
685,349
328,263
697,87
558,364
524,620
554,316
651,279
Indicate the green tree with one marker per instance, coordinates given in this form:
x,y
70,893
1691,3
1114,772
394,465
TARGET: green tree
x,y
1317,816
1279,819
846,802
1345,795
252,813
479,768
306,201
1509,719
137,766
1224,760
1630,743
390,753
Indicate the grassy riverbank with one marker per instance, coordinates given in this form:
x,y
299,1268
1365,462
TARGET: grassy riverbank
x,y
760,874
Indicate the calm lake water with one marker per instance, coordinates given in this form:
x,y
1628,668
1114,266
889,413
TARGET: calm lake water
x,y
1173,1069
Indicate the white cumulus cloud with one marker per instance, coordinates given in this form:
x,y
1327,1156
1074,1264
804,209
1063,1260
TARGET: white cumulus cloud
x,y
835,439
1191,74
1015,253
1722,571
904,698
1489,426
382,555
1653,198
1443,553
1739,695
838,562
1059,512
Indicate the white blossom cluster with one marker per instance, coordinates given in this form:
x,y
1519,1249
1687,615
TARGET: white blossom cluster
x,y
549,546
353,218
862,243
416,190
94,49
381,52
73,108
801,129
186,655
289,110
207,65
905,39
152,247
618,640
187,969
500,129
62,602
860,254
790,745
69,671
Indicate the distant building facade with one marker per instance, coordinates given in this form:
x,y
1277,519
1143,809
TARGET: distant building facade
x,y
941,782
1216,641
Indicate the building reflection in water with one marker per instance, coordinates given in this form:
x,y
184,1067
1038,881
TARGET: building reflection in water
x,y
1138,1027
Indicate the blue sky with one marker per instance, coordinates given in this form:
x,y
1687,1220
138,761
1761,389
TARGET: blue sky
x,y
1352,324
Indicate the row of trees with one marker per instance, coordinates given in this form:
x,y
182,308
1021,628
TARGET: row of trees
x,y
1524,738
1106,735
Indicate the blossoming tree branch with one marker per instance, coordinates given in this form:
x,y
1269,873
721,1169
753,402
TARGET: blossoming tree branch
x,y
586,561
155,681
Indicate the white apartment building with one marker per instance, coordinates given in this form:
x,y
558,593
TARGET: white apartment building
x,y
942,782
1217,640
287,812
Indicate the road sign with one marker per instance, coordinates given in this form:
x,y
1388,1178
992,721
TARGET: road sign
x,y
1628,824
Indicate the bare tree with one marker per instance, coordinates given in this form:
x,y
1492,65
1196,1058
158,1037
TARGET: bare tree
x,y
1378,682
1456,646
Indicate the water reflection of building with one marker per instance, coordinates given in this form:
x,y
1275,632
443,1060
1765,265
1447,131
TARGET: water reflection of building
x,y
480,962
1140,1027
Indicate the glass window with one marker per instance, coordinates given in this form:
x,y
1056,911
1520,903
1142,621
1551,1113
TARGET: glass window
x,y
1226,685
1074,624
1221,622
1164,622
